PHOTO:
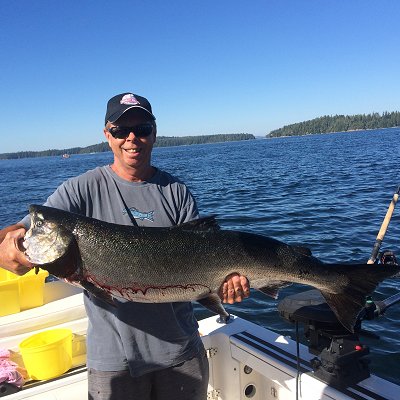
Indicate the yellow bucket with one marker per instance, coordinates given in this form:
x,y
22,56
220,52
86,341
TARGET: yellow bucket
x,y
47,354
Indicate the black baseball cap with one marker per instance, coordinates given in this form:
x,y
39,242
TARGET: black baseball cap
x,y
123,102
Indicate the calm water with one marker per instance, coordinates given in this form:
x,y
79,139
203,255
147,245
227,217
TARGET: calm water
x,y
327,192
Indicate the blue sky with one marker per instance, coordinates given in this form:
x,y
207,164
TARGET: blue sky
x,y
207,67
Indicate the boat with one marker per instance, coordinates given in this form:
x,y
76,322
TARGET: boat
x,y
66,155
246,361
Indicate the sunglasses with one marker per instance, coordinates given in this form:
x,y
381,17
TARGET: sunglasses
x,y
122,132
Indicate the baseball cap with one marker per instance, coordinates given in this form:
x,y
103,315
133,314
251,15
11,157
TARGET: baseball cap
x,y
123,102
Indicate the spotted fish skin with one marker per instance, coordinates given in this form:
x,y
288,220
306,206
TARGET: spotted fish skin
x,y
188,262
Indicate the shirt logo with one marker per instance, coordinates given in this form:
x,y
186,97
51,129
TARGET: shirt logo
x,y
129,99
149,216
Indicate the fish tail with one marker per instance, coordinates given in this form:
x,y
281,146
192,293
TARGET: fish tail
x,y
354,284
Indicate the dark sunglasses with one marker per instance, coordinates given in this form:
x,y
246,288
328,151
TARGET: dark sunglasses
x,y
122,132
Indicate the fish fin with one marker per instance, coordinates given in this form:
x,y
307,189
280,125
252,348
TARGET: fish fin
x,y
200,224
97,292
350,296
273,287
213,303
305,251
344,307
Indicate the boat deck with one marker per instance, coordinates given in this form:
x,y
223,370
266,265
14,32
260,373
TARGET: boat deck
x,y
246,361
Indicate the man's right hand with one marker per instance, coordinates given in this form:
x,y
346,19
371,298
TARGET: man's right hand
x,y
11,256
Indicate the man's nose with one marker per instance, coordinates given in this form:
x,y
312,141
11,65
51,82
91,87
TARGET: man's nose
x,y
131,137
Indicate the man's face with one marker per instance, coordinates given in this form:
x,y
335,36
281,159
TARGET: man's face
x,y
132,152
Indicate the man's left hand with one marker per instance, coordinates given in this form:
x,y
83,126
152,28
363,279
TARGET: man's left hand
x,y
235,288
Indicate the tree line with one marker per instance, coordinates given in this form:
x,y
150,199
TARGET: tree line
x,y
162,141
339,123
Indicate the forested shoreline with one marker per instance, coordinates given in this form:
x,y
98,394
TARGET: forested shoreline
x,y
339,123
324,124
162,141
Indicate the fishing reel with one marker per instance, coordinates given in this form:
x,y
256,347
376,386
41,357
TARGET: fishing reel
x,y
387,257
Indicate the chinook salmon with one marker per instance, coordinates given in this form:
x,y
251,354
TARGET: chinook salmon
x,y
188,262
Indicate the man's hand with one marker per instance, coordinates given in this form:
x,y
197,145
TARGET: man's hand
x,y
11,256
235,288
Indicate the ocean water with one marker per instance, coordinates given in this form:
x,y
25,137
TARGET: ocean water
x,y
329,193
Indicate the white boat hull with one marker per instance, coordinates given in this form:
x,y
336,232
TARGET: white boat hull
x,y
246,361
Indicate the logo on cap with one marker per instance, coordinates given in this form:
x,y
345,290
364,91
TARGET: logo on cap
x,y
129,99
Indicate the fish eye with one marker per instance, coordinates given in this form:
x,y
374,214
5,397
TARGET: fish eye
x,y
39,220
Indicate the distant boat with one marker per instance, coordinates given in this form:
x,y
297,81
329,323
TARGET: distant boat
x,y
66,155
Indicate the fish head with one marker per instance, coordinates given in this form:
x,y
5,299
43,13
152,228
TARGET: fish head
x,y
47,240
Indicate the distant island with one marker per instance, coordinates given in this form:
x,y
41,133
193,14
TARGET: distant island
x,y
162,141
325,124
339,123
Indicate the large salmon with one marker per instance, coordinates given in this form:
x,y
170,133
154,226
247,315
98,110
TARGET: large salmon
x,y
186,262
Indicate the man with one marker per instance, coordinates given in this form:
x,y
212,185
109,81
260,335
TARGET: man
x,y
134,350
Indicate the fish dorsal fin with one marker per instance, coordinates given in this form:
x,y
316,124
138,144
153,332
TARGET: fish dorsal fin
x,y
201,224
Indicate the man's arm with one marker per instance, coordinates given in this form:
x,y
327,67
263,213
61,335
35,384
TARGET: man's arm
x,y
11,256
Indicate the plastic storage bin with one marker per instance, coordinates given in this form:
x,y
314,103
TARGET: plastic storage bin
x,y
19,293
31,287
9,294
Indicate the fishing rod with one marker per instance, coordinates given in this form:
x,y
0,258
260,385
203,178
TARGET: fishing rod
x,y
374,309
383,305
384,226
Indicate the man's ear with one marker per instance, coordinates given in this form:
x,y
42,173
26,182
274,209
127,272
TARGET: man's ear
x,y
107,135
155,132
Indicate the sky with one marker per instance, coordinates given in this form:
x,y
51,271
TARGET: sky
x,y
207,67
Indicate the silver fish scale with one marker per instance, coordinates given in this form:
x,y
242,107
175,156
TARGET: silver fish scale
x,y
175,261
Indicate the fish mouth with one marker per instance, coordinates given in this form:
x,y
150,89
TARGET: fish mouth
x,y
40,253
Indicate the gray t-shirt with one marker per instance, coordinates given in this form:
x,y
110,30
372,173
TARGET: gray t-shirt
x,y
140,336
